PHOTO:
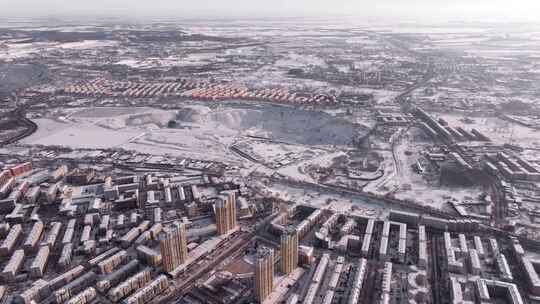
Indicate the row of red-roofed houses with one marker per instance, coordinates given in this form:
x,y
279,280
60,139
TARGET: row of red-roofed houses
x,y
11,173
196,90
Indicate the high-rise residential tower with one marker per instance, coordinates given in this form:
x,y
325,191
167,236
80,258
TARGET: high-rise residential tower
x,y
264,273
225,209
289,250
231,200
173,246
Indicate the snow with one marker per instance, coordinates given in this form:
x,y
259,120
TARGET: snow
x,y
193,59
276,122
498,130
294,60
23,50
88,44
434,197
297,172
77,135
353,205
201,132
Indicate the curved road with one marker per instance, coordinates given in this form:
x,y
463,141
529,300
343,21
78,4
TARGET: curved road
x,y
31,127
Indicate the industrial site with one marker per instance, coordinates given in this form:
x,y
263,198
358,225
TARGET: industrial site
x,y
274,162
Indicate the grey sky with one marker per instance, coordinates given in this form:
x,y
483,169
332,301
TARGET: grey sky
x,y
515,10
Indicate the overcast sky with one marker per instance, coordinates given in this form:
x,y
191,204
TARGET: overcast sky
x,y
504,10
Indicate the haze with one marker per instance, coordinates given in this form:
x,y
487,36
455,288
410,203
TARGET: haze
x,y
500,10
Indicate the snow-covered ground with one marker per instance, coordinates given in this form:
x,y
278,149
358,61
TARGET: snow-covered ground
x,y
332,201
498,130
78,135
171,61
298,171
16,50
201,132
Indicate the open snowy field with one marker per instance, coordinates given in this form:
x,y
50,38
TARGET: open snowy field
x,y
77,135
18,50
196,130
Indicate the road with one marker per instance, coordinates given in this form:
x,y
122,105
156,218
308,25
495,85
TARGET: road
x,y
398,164
497,196
20,117
183,286
436,274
